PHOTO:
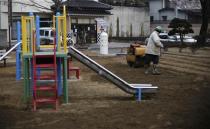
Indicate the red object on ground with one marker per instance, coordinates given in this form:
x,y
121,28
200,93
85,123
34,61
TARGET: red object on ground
x,y
73,68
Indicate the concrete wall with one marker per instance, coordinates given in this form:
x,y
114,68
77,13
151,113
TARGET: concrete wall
x,y
133,21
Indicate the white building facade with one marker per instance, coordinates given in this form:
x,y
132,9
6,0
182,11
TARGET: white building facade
x,y
129,21
20,8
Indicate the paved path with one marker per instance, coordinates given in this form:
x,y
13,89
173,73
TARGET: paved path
x,y
114,47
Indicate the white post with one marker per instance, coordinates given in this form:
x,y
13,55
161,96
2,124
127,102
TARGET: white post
x,y
104,43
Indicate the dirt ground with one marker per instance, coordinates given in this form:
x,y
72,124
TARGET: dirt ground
x,y
182,101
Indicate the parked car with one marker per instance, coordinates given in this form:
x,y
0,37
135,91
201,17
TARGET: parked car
x,y
47,37
164,38
174,39
186,39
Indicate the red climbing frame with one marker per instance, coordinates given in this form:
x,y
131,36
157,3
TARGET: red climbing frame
x,y
44,77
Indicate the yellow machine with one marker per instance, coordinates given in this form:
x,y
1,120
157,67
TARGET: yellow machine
x,y
135,55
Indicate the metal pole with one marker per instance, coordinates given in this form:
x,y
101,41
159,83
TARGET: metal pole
x,y
30,63
18,52
59,69
10,20
38,31
57,31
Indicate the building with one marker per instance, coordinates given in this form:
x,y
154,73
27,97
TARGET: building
x,y
23,7
166,10
82,15
85,18
163,11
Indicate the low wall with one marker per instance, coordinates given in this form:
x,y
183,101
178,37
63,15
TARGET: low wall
x,y
195,27
128,39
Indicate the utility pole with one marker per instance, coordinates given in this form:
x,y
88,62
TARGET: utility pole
x,y
9,20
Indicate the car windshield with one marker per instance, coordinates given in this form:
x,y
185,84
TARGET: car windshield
x,y
52,34
163,35
46,33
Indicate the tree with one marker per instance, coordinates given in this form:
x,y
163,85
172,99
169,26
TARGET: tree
x,y
125,2
130,2
57,6
38,5
181,27
205,11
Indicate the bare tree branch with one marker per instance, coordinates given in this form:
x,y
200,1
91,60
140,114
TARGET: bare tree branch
x,y
58,4
39,5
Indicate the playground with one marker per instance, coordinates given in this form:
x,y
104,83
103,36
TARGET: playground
x,y
181,102
39,89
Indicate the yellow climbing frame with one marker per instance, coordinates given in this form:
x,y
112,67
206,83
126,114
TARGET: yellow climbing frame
x,y
28,28
27,33
61,30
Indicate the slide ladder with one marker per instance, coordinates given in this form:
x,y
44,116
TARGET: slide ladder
x,y
45,89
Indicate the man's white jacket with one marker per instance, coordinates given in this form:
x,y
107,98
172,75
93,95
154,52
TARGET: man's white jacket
x,y
154,44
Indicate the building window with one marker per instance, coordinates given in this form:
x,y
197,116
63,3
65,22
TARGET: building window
x,y
164,18
151,18
73,20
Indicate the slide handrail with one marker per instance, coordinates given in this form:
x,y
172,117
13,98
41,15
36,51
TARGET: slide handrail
x,y
10,50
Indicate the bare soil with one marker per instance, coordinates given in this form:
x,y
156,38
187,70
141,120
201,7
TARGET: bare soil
x,y
182,101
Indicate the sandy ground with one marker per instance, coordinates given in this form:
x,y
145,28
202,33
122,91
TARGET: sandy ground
x,y
182,101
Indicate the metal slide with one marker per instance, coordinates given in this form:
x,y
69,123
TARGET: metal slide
x,y
10,50
128,88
